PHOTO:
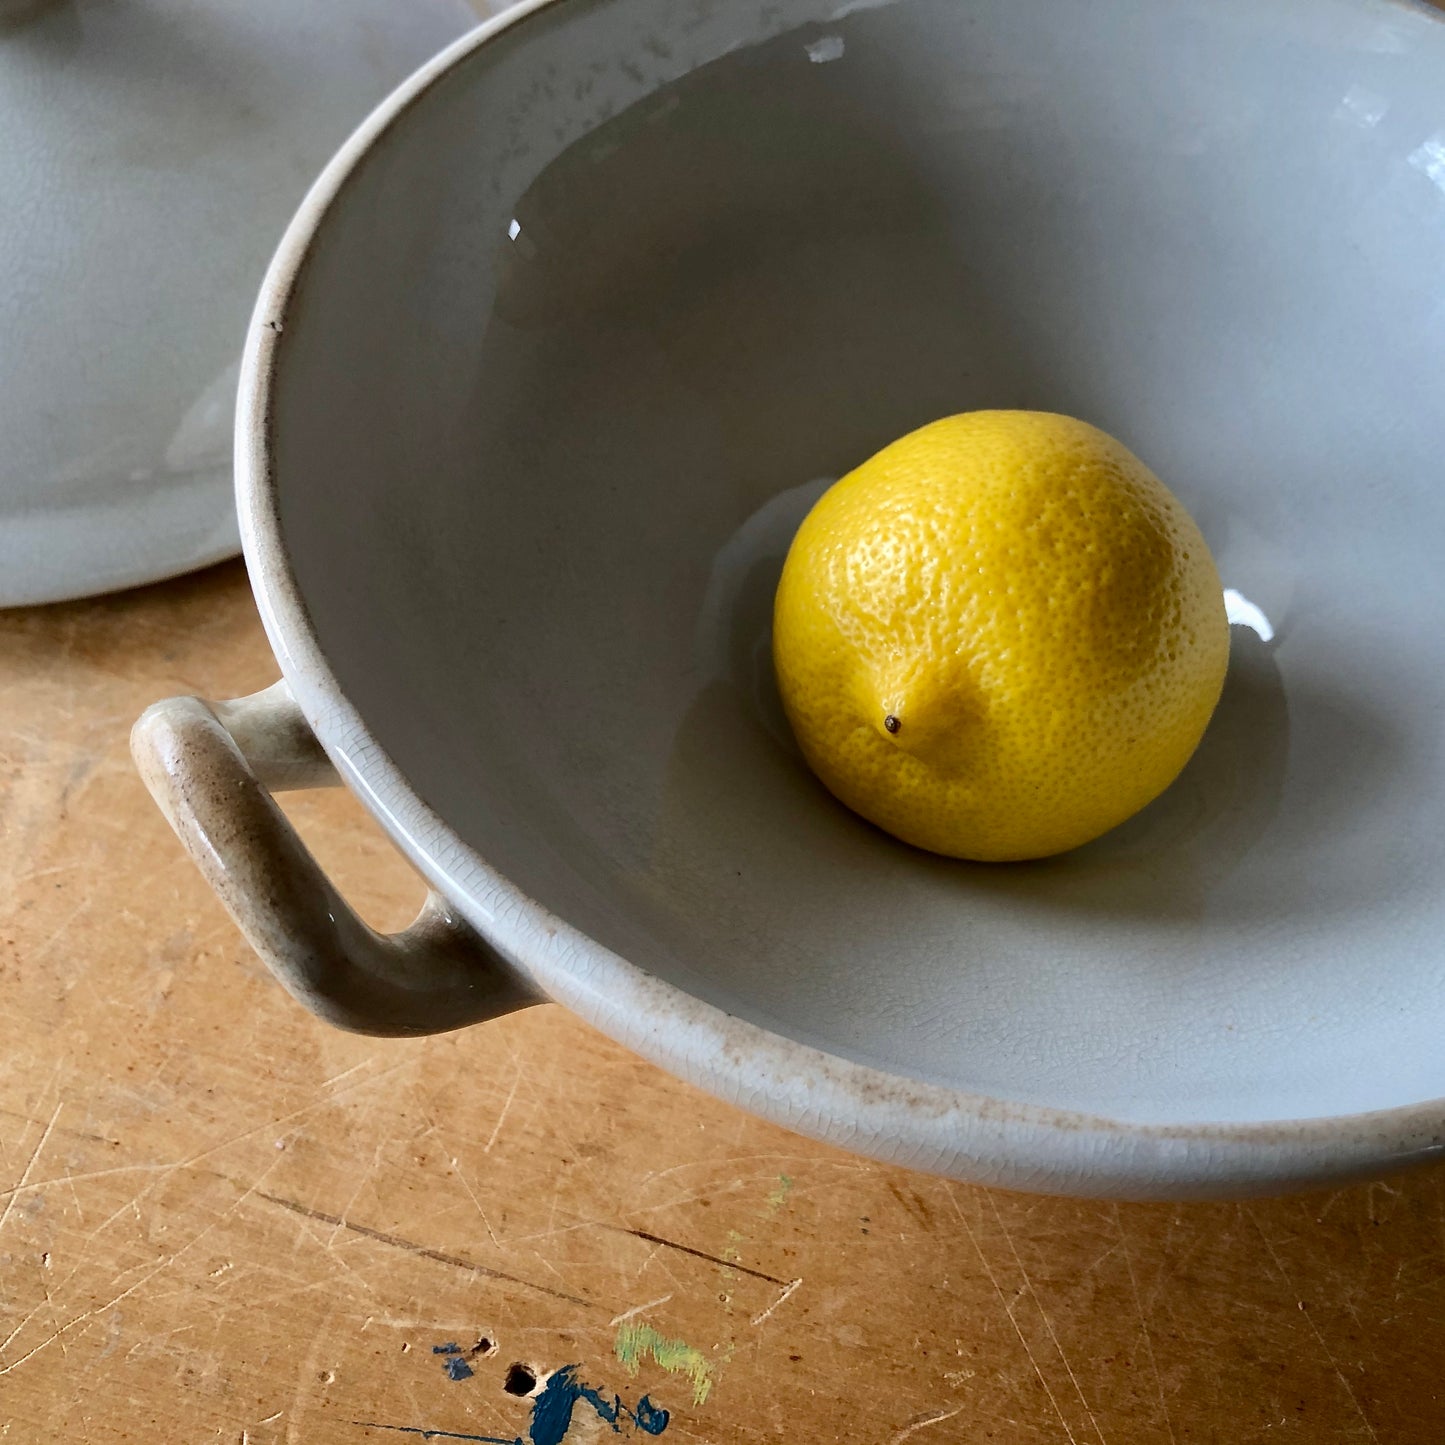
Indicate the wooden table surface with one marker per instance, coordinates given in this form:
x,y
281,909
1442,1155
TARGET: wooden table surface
x,y
223,1220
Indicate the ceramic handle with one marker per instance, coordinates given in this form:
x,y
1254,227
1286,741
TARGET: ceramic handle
x,y
211,769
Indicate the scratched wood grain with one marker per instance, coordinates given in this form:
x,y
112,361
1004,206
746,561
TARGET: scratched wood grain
x,y
221,1220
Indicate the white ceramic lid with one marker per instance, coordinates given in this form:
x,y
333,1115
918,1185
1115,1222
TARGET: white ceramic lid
x,y
152,153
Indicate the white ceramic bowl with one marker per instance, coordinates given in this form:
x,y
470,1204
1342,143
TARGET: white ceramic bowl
x,y
553,360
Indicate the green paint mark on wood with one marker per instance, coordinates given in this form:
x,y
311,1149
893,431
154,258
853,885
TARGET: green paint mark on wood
x,y
637,1342
779,1196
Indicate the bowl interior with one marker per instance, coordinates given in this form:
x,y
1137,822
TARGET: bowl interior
x,y
590,327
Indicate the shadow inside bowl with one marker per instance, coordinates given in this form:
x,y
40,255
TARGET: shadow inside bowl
x,y
1196,849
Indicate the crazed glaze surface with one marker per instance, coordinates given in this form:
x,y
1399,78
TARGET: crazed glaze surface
x,y
533,652
151,152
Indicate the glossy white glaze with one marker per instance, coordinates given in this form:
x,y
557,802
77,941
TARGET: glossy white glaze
x,y
151,153
615,285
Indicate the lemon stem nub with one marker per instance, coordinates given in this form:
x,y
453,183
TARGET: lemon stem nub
x,y
892,723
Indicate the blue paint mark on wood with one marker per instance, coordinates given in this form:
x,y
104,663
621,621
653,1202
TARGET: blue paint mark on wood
x,y
552,1410
454,1363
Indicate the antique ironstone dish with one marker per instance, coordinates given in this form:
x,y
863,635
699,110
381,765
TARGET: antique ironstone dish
x,y
553,360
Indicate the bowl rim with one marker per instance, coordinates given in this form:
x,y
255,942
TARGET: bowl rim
x,y
967,1136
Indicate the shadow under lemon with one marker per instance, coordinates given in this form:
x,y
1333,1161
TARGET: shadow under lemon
x,y
1256,823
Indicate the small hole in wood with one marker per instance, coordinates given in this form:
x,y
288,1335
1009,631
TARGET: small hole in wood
x,y
520,1380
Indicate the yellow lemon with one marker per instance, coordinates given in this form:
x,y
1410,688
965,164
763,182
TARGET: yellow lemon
x,y
1000,636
